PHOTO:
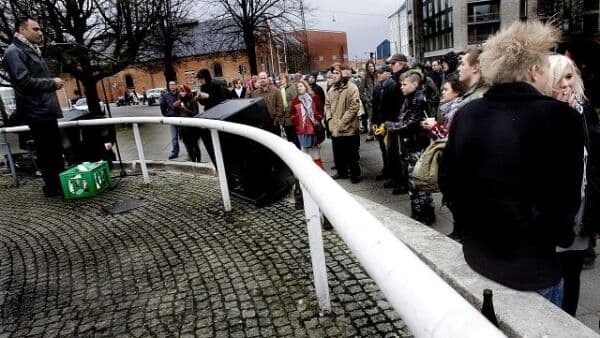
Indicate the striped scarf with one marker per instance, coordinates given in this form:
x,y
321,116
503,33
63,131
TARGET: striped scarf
x,y
23,39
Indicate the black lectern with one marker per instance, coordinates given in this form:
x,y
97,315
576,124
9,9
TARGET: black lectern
x,y
254,172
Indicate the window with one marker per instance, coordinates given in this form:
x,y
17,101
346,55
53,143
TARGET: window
x,y
590,5
217,70
321,58
481,12
190,77
523,10
480,33
129,81
590,23
334,57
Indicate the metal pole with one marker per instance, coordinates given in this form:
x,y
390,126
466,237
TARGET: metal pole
x,y
221,169
317,252
122,171
271,50
140,150
11,161
287,69
308,69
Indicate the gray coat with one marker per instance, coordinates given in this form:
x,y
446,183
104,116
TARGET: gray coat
x,y
35,90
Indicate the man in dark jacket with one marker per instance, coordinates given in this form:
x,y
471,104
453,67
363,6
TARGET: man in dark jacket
x,y
166,108
513,166
312,81
211,93
37,104
386,107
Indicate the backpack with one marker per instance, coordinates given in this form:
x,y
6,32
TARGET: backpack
x,y
425,171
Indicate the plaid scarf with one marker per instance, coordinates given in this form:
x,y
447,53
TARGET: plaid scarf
x,y
23,39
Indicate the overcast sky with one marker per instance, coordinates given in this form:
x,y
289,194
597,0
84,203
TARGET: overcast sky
x,y
364,21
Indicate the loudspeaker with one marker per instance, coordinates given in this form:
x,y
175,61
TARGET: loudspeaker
x,y
254,173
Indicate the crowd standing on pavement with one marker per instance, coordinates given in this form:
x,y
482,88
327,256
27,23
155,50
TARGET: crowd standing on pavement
x,y
518,134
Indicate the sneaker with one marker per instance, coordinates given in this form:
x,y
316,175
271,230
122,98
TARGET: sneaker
x,y
172,156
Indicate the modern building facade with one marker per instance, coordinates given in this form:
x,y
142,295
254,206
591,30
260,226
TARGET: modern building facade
x,y
383,50
454,25
399,39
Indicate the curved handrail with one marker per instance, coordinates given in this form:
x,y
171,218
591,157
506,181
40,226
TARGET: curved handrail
x,y
427,304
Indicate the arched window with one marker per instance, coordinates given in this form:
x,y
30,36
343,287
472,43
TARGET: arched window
x,y
218,70
129,81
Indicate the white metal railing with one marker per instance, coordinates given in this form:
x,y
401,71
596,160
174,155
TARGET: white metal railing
x,y
427,304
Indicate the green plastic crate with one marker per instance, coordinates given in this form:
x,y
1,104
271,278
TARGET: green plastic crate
x,y
85,180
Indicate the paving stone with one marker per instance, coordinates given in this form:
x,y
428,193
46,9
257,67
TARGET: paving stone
x,y
171,268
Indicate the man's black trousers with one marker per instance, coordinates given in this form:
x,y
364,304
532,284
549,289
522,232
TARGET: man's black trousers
x,y
48,145
345,150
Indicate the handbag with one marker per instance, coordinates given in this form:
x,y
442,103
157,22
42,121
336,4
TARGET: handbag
x,y
319,132
318,128
425,171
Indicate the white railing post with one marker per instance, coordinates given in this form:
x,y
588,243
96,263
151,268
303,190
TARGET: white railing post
x,y
317,252
140,150
214,134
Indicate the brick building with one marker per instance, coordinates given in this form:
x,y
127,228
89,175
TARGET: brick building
x,y
217,52
324,47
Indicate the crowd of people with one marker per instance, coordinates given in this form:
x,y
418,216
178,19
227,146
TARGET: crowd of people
x,y
518,137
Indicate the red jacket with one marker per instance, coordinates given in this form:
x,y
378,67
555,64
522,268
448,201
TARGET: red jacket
x,y
296,115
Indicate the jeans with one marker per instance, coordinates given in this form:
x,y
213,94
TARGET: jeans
x,y
554,293
174,140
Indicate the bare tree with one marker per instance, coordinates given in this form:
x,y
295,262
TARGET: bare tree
x,y
171,34
89,39
253,20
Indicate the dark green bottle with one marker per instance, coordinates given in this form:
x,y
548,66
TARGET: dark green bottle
x,y
487,309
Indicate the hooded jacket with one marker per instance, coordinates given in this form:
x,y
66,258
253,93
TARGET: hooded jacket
x,y
216,93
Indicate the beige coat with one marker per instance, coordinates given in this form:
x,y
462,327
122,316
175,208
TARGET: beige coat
x,y
341,110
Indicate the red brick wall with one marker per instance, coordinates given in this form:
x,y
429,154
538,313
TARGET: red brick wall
x,y
326,48
185,70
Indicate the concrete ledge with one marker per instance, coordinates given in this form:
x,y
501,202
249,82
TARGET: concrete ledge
x,y
521,314
188,167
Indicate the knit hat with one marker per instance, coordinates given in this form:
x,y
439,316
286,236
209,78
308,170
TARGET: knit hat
x,y
396,58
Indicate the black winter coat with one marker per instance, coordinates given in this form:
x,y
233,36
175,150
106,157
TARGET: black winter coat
x,y
413,138
387,101
215,92
35,90
511,174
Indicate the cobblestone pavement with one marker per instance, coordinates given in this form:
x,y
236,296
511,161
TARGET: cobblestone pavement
x,y
177,266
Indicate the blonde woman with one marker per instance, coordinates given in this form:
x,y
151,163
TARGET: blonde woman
x,y
509,154
306,113
565,84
